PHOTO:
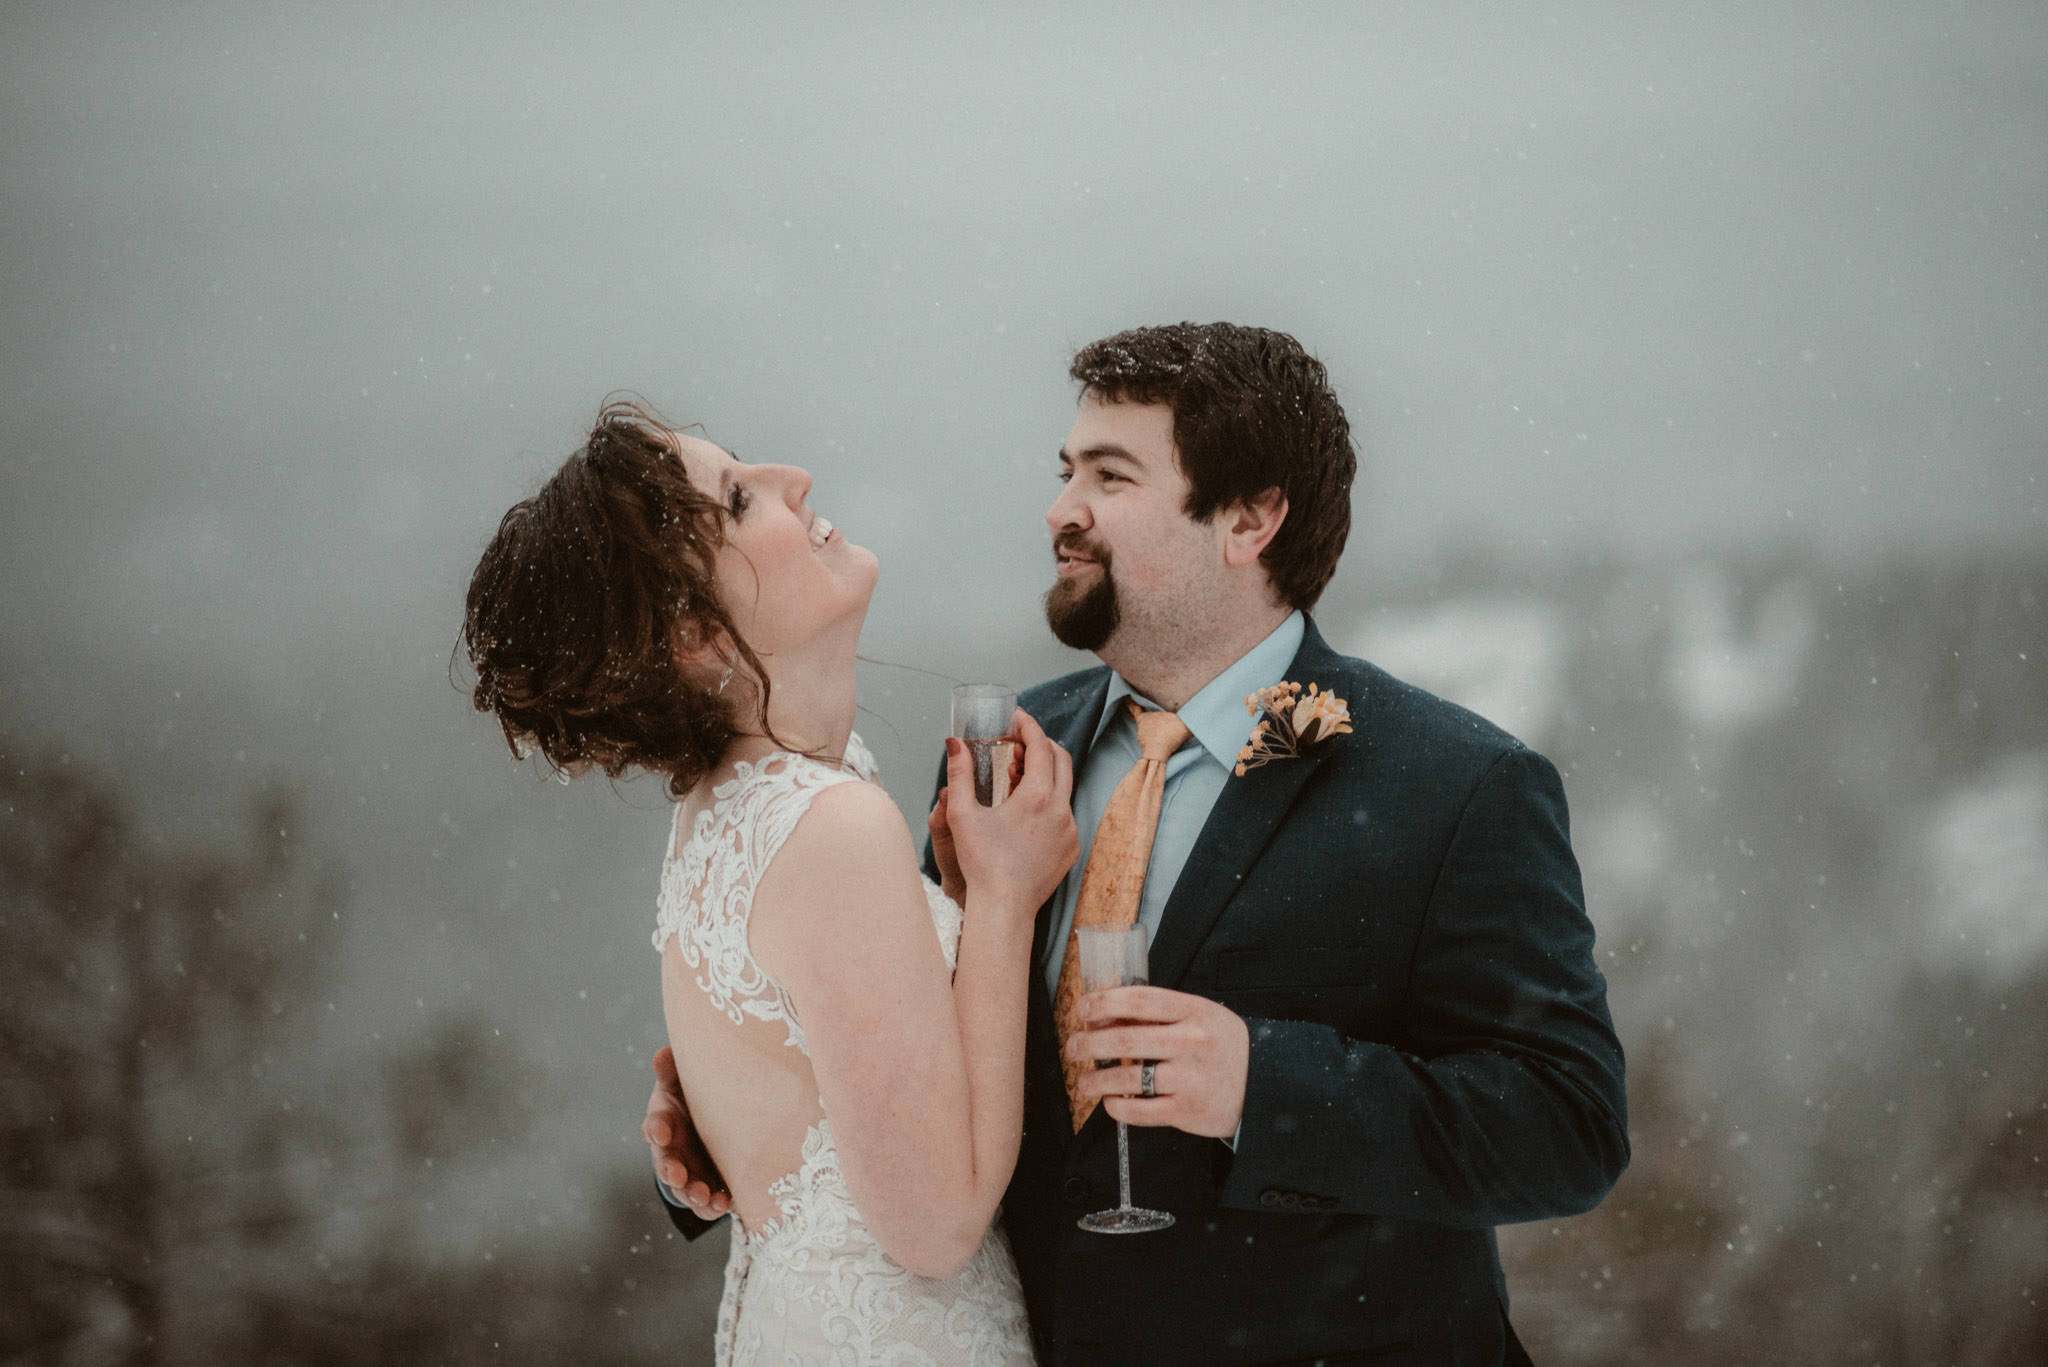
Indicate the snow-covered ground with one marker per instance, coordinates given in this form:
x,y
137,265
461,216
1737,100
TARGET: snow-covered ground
x,y
1985,844
1502,657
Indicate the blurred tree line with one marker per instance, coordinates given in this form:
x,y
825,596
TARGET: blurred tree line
x,y
167,1173
1923,1238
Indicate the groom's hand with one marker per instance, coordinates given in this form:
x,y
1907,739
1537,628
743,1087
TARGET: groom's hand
x,y
681,1165
1201,1051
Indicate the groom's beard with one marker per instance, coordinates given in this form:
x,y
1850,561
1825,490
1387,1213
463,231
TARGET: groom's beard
x,y
1084,618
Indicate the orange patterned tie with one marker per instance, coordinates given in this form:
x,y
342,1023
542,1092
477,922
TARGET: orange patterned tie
x,y
1115,875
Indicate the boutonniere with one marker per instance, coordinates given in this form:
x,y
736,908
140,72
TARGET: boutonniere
x,y
1290,721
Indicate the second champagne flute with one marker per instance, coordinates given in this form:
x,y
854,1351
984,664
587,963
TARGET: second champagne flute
x,y
1115,957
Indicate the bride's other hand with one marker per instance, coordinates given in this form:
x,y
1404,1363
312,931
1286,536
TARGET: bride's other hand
x,y
680,1163
1021,849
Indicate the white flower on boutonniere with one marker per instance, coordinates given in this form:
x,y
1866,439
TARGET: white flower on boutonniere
x,y
1290,721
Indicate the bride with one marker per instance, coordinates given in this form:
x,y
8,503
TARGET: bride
x,y
856,1077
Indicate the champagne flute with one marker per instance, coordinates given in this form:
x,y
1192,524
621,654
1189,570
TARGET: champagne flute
x,y
983,717
1114,956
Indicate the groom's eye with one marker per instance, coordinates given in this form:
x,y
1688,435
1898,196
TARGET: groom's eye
x,y
736,502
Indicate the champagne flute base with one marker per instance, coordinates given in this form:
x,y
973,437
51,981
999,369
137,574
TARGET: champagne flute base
x,y
1126,1220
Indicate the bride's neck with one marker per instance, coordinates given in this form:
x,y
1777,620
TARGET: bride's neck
x,y
810,709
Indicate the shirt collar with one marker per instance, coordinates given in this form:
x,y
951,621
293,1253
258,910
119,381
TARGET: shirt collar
x,y
1215,716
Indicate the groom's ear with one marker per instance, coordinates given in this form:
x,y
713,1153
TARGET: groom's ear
x,y
1249,527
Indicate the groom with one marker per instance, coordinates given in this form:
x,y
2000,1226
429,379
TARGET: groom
x,y
1374,1028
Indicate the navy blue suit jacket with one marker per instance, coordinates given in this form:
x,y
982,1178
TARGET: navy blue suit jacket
x,y
1399,919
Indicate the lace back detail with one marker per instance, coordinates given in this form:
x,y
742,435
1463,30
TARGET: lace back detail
x,y
708,880
813,1287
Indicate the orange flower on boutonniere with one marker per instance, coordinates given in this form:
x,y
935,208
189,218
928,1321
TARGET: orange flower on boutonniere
x,y
1290,721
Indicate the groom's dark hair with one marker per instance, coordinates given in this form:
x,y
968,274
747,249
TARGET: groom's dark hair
x,y
1252,411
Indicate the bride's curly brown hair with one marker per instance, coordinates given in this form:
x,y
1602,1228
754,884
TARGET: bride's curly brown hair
x,y
584,599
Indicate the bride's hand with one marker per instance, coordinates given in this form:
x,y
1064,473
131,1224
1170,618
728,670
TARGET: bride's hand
x,y
940,826
1021,849
941,829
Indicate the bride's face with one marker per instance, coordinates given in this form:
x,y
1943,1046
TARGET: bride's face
x,y
785,575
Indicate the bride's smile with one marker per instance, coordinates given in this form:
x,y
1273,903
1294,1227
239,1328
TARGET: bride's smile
x,y
785,572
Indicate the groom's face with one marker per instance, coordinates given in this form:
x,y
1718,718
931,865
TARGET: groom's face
x,y
1123,544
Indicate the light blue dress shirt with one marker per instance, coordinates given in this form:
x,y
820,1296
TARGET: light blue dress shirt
x,y
1218,728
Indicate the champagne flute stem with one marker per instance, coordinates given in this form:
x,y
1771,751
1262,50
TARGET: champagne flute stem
x,y
1123,1166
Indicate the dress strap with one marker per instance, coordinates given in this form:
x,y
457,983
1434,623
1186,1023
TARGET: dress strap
x,y
708,882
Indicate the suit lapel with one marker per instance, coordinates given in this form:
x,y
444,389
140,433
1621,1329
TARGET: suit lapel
x,y
1247,813
1071,721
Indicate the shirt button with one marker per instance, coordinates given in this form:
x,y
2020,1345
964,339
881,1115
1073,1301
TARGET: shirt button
x,y
1077,1189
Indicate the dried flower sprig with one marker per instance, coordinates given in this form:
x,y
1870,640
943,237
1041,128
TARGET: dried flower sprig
x,y
1290,721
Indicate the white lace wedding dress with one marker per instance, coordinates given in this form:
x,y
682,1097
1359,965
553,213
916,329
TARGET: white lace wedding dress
x,y
814,1286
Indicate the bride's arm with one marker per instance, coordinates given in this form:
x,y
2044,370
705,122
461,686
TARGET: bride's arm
x,y
922,1076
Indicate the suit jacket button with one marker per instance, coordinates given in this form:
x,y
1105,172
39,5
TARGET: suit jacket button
x,y
1269,1197
1290,1200
1077,1189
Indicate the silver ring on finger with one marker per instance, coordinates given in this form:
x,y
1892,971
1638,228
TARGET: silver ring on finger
x,y
1148,1080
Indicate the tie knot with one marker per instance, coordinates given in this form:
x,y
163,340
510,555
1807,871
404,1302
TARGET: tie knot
x,y
1159,733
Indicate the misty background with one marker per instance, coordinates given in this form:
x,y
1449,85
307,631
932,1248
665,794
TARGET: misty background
x,y
1695,359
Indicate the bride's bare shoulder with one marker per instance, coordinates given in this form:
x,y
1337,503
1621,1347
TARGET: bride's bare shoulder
x,y
845,827
852,845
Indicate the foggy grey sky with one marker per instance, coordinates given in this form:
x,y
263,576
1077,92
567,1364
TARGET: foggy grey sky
x,y
298,300
292,291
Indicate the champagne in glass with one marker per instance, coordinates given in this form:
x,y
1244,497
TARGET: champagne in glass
x,y
1115,957
983,717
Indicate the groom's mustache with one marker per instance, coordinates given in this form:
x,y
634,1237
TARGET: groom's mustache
x,y
1073,543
